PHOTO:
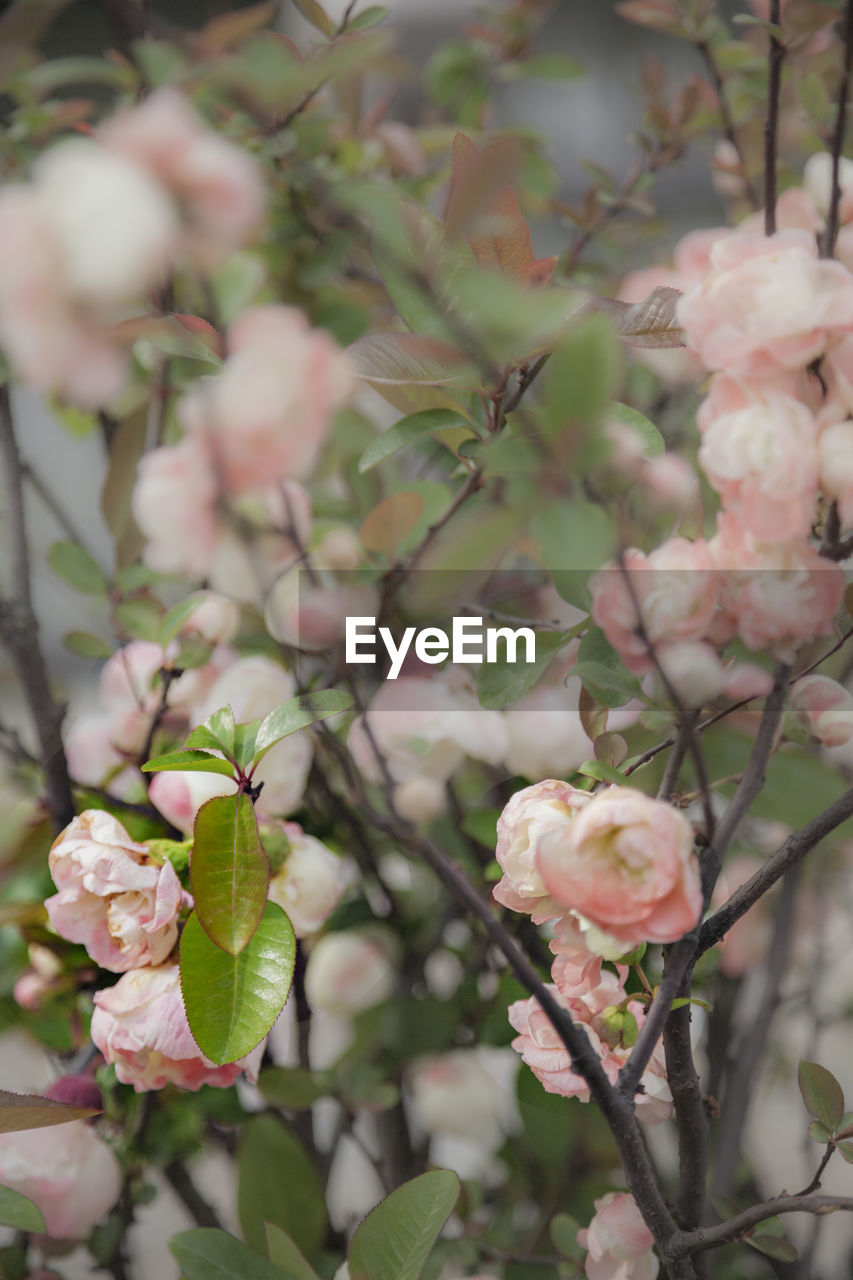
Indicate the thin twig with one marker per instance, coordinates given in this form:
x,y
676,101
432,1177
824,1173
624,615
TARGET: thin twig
x,y
19,630
202,1213
771,123
736,1228
729,128
837,147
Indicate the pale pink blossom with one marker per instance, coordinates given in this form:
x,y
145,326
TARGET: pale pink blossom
x,y
545,736
626,864
52,341
425,727
179,795
795,211
93,758
267,414
698,674
309,883
276,521
348,972
817,181
216,184
835,453
676,590
67,1170
527,817
618,1242
670,483
113,898
309,609
763,462
140,1026
825,707
576,970
768,304
544,1052
174,505
420,798
215,619
777,596
455,1094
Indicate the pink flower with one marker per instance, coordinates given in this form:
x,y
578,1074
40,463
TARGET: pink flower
x,y
67,1170
576,970
546,1055
310,611
835,452
309,883
348,972
777,596
530,814
826,709
215,619
112,898
768,304
697,674
179,796
763,462
217,185
140,1026
676,590
174,504
267,415
626,864
618,1242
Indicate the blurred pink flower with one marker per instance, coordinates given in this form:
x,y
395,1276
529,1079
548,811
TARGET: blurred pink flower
x,y
67,1170
618,1242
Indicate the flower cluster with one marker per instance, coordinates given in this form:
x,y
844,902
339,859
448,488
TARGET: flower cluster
x,y
104,222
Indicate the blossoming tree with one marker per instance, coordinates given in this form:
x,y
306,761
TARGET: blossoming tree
x,y
373,925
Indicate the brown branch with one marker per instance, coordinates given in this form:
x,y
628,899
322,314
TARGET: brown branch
x,y
691,1121
736,1228
19,630
202,1213
831,233
771,123
787,855
729,129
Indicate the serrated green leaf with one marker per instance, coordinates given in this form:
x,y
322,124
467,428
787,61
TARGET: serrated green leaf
x,y
299,713
209,1254
189,762
652,439
19,1212
822,1094
284,1253
76,567
229,871
501,683
294,1088
86,645
278,1183
395,1239
245,740
408,429
232,1001
221,725
202,738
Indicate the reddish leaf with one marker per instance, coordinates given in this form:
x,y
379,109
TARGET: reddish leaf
x,y
401,358
540,271
29,1111
479,179
388,523
650,323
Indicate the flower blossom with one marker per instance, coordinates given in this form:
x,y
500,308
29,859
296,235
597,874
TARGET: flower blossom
x,y
112,897
527,817
618,1242
67,1170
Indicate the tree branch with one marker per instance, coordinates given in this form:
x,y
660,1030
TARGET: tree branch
x,y
771,123
831,233
20,633
735,1228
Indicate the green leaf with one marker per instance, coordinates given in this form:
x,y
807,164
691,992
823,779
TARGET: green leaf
x,y
549,66
601,772
76,567
19,1212
78,422
174,619
819,1132
846,1151
221,726
404,432
564,1235
395,1239
86,645
277,1183
610,688
236,284
139,618
573,536
376,13
189,762
232,1001
299,713
774,1246
501,683
294,1088
209,1254
203,738
822,1094
61,72
316,15
284,1253
652,439
28,1111
579,376
229,871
